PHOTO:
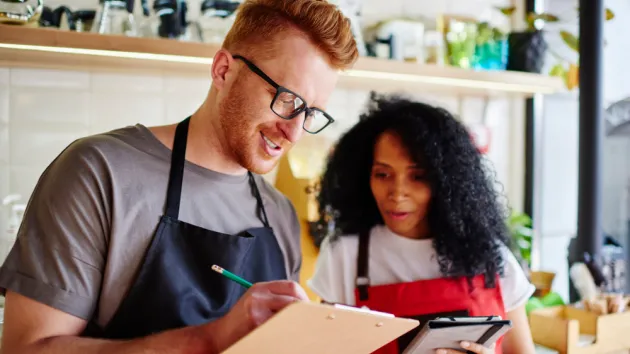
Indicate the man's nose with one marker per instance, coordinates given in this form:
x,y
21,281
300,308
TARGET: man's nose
x,y
292,128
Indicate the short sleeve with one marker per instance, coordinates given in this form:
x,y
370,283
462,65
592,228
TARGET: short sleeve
x,y
327,281
287,228
60,251
295,231
515,286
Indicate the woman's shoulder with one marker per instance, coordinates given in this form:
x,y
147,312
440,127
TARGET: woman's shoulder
x,y
515,285
340,245
335,269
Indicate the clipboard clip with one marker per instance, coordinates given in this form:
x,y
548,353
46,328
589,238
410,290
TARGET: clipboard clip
x,y
359,309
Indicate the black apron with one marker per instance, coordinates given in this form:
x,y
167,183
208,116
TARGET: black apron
x,y
175,286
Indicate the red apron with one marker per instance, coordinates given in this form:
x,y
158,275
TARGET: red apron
x,y
425,299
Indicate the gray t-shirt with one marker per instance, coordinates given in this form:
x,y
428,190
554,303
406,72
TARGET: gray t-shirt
x,y
95,209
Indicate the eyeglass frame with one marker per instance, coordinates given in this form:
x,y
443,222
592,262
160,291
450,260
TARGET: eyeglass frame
x,y
279,89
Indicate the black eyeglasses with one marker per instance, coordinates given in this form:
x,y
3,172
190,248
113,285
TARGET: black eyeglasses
x,y
287,104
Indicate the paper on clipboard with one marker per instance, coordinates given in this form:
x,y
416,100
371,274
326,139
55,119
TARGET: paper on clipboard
x,y
311,328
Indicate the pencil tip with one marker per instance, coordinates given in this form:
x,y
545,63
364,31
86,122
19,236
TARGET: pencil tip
x,y
216,268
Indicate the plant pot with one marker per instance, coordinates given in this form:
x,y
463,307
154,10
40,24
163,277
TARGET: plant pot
x,y
527,51
491,55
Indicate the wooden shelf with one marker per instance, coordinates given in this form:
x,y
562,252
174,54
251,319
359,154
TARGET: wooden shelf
x,y
56,49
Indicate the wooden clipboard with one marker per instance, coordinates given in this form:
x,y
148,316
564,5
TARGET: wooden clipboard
x,y
312,328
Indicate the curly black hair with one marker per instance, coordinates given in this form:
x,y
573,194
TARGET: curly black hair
x,y
465,215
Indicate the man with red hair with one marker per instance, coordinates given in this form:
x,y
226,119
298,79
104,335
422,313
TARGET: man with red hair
x,y
115,251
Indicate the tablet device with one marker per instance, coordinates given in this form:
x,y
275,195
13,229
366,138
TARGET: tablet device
x,y
449,332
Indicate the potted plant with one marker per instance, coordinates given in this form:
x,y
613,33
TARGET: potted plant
x,y
520,227
527,48
491,49
567,69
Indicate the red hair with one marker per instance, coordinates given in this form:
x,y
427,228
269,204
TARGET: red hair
x,y
259,22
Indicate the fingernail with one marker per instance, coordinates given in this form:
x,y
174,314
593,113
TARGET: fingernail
x,y
465,344
441,351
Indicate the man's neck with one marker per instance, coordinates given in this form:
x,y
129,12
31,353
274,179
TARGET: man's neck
x,y
207,147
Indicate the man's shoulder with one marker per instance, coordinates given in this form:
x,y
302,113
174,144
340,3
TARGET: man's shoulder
x,y
110,142
102,149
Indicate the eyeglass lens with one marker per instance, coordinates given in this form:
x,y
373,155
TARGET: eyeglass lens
x,y
287,105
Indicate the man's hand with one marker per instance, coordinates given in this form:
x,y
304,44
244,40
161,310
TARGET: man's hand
x,y
32,327
256,306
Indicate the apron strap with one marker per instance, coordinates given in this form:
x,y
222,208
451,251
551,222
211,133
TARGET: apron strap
x,y
176,176
259,201
363,279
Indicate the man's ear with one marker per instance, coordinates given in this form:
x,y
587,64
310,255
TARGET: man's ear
x,y
220,68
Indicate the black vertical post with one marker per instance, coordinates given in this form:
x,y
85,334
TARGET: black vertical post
x,y
528,207
589,233
591,126
530,133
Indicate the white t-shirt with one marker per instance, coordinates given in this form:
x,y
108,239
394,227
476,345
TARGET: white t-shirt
x,y
396,259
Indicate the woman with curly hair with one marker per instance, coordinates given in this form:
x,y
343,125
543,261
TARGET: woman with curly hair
x,y
420,231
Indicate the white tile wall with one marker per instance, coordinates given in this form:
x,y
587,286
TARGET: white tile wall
x,y
125,83
194,87
4,124
58,79
4,191
4,140
31,107
22,179
182,96
178,108
43,121
4,77
114,110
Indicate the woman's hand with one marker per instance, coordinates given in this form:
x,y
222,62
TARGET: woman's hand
x,y
470,347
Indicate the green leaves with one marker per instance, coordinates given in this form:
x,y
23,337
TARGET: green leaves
x,y
532,17
558,70
572,41
487,33
520,227
517,220
570,76
507,11
546,17
484,33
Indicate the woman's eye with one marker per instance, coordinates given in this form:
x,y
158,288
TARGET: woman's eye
x,y
419,177
380,174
